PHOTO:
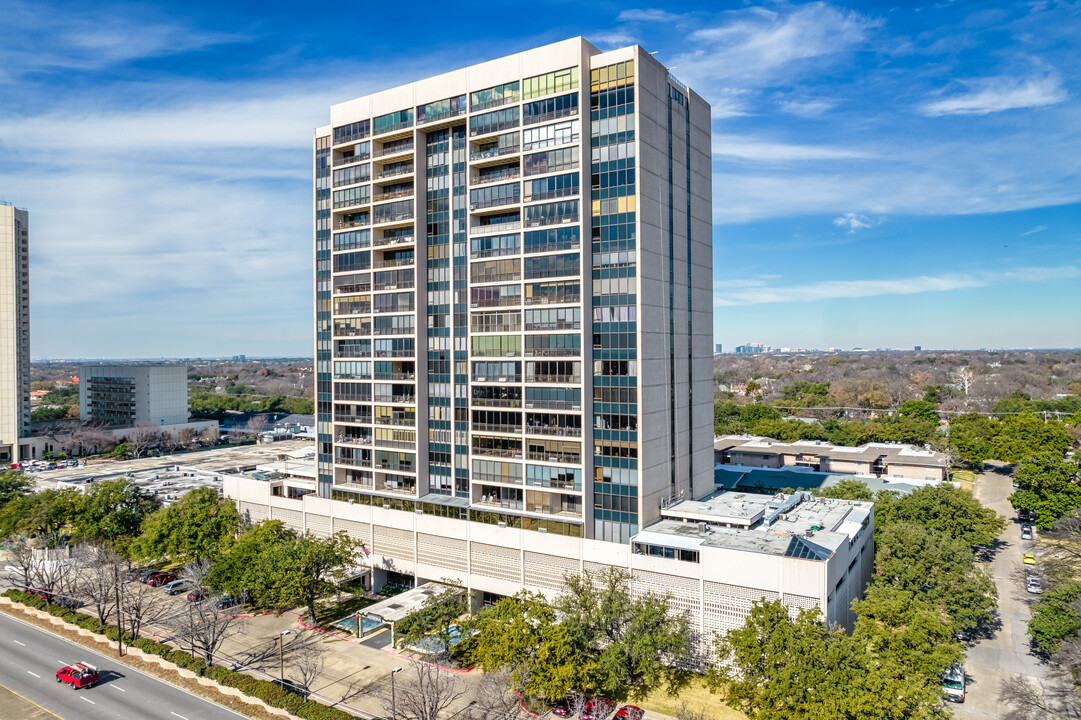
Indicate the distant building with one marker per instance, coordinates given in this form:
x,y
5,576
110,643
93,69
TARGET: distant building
x,y
918,348
14,331
131,395
719,349
751,349
880,460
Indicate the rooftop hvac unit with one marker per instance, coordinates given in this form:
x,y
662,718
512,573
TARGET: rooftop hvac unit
x,y
702,527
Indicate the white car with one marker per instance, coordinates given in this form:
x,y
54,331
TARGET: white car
x,y
1033,585
953,684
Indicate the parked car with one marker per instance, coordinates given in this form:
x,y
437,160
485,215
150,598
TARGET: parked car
x,y
176,586
1026,532
597,709
231,601
79,675
1033,585
953,683
1025,516
160,579
146,578
196,596
630,712
1028,559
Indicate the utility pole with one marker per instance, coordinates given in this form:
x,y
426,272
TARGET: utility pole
x,y
119,616
393,697
281,656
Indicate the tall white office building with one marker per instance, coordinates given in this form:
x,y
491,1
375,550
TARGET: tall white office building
x,y
14,330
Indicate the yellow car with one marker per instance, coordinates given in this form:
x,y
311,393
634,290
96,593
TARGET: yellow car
x,y
1028,559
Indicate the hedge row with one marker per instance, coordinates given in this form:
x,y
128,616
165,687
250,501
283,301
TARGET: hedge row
x,y
269,692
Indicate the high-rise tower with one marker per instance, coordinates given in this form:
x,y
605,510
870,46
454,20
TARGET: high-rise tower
x,y
14,330
514,293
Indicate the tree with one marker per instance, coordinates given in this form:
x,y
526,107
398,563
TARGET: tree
x,y
964,379
110,509
43,515
424,693
207,629
22,548
308,655
1049,486
140,439
495,698
634,639
141,605
848,489
187,438
210,436
200,525
1055,616
102,572
951,511
920,410
13,484
435,618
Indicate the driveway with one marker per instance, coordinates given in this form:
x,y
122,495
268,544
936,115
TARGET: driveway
x,y
1007,653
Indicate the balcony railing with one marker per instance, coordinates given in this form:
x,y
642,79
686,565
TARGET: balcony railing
x,y
358,485
395,239
553,378
495,228
396,467
395,309
403,285
495,202
553,115
346,224
497,428
487,104
390,353
396,126
559,457
396,398
395,376
350,160
393,217
353,440
384,151
401,422
509,174
554,431
555,485
357,419
398,444
497,402
496,277
395,172
509,504
553,405
494,152
392,195
400,262
352,462
436,117
552,352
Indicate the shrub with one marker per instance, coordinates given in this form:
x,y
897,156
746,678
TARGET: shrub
x,y
218,673
311,710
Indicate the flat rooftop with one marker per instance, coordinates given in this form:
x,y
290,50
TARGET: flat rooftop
x,y
890,452
771,480
798,525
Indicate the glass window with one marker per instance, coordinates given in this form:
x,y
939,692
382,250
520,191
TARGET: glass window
x,y
393,121
494,96
451,107
559,133
558,81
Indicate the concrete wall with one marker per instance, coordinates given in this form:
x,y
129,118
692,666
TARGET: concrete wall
x,y
14,331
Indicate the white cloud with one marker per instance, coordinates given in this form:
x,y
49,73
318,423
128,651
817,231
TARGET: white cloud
x,y
744,147
744,293
1033,231
998,94
852,221
649,15
810,109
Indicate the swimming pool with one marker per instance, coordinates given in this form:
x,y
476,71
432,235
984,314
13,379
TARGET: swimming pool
x,y
431,645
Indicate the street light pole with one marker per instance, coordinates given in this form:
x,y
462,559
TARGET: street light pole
x,y
393,697
281,655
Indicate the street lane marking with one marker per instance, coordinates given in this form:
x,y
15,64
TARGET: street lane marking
x,y
31,702
19,643
34,674
81,697
118,688
179,716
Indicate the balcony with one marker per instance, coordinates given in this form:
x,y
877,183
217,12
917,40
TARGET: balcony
x,y
393,150
339,161
556,457
398,421
355,419
538,378
508,174
355,485
495,228
390,353
554,431
552,352
498,452
393,195
354,440
445,115
395,376
394,240
395,467
393,218
489,104
497,402
351,462
502,380
497,503
395,172
401,399
494,152
497,428
359,222
495,203
404,124
553,405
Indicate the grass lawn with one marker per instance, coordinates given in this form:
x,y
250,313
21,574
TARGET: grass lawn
x,y
696,695
327,613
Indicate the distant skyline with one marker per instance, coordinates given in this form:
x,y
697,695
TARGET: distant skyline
x,y
883,176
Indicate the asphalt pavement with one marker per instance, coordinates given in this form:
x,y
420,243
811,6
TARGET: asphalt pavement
x,y
30,657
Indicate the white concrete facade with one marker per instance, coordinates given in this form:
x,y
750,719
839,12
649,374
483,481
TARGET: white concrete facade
x,y
14,331
134,395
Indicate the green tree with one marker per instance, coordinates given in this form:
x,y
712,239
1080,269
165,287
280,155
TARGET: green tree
x,y
632,639
970,437
1021,436
1017,402
241,568
435,617
43,515
805,394
951,511
1055,616
1049,486
848,489
110,509
198,526
919,409
750,415
13,484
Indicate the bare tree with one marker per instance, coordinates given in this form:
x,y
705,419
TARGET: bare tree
x,y
102,572
206,629
141,605
308,655
197,571
187,438
210,436
1035,701
258,424
497,698
686,712
424,694
964,379
23,554
140,438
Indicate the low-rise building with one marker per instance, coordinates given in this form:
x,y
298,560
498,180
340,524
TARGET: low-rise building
x,y
715,557
133,395
890,460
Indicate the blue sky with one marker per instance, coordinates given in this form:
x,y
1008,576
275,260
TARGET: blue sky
x,y
884,175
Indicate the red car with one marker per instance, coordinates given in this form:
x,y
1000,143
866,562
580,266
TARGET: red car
x,y
630,712
79,675
597,709
160,579
196,596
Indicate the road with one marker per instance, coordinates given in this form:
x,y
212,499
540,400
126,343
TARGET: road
x,y
30,657
1006,653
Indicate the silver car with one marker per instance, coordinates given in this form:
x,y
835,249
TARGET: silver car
x,y
1033,585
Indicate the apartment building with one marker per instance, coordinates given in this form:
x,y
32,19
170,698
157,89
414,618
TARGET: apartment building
x,y
14,330
131,395
513,286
